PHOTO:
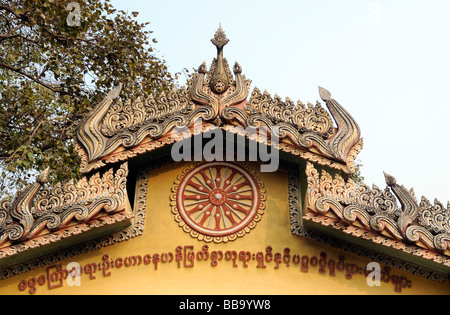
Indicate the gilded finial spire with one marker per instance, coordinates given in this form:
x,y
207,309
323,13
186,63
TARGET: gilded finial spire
x,y
220,38
219,80
216,87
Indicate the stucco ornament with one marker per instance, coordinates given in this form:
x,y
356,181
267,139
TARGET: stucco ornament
x,y
218,201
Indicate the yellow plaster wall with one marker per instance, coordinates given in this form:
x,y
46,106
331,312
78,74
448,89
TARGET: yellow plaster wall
x,y
163,235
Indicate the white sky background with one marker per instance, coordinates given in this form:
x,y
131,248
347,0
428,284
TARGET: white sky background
x,y
386,62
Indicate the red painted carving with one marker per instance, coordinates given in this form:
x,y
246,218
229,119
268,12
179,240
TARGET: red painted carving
x,y
218,199
188,256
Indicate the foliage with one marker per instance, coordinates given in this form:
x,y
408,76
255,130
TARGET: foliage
x,y
55,63
357,176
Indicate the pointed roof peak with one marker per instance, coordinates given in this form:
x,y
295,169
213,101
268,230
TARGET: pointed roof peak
x,y
220,38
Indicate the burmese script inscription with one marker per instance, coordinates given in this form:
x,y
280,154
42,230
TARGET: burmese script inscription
x,y
57,276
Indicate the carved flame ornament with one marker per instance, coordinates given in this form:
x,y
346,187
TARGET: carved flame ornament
x,y
375,214
219,80
218,201
305,131
217,88
38,214
116,130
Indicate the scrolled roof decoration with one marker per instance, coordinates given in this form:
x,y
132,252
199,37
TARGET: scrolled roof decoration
x,y
310,118
298,228
116,130
16,219
113,125
358,208
133,115
38,208
307,127
435,218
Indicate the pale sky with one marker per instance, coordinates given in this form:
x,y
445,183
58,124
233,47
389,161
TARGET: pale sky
x,y
386,62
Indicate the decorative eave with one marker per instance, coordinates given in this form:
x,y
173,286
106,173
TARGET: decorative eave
x,y
116,131
417,229
40,219
305,131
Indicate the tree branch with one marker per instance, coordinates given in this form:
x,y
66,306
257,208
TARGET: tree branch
x,y
10,158
29,76
10,34
10,10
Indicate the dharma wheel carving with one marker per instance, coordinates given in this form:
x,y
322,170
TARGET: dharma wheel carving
x,y
218,201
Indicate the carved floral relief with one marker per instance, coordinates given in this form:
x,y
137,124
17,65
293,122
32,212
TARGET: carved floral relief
x,y
391,216
218,201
